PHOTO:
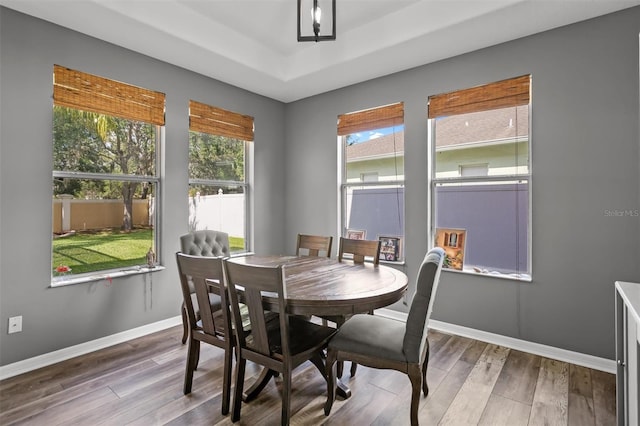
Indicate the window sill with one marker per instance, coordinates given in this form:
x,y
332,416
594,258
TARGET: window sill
x,y
105,275
392,262
492,274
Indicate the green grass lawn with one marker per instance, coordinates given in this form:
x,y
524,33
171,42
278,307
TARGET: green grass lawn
x,y
236,243
109,249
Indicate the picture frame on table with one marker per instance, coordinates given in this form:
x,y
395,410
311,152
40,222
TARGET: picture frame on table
x,y
356,234
452,241
390,248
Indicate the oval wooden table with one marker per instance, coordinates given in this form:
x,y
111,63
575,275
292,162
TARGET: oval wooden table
x,y
325,287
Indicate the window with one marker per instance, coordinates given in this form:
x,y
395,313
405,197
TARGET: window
x,y
371,146
106,137
481,177
369,177
219,143
474,170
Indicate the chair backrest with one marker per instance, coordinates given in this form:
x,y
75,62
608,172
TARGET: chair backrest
x,y
359,249
197,270
415,337
314,244
205,242
253,281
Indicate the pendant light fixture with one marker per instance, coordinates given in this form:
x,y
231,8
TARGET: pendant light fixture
x,y
316,20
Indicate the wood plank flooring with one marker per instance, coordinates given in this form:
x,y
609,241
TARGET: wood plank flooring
x,y
471,383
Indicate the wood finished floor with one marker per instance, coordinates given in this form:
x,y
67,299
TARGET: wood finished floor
x,y
140,383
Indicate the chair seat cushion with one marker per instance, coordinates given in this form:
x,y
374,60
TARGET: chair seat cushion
x,y
303,334
371,335
214,301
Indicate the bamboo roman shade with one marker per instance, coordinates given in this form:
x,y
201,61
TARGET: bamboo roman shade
x,y
87,92
375,118
502,94
217,121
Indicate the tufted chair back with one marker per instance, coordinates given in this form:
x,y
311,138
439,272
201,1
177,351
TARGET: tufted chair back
x,y
205,243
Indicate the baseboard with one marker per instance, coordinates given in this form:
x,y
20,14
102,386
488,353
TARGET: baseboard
x,y
590,361
577,358
44,360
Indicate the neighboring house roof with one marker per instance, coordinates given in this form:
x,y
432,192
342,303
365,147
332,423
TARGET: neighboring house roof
x,y
482,127
495,126
384,146
474,128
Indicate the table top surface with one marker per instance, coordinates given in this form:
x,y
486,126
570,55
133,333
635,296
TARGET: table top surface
x,y
323,286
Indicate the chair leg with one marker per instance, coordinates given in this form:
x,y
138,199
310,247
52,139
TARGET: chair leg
x,y
331,382
192,355
286,396
195,366
415,375
226,380
339,323
185,324
425,386
241,363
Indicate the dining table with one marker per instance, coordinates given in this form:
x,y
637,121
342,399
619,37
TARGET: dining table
x,y
326,287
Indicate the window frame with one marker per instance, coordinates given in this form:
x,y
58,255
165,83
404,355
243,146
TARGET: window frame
x,y
216,121
246,188
108,274
82,91
525,276
344,185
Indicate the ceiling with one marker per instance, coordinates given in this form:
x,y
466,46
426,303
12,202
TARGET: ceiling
x,y
253,44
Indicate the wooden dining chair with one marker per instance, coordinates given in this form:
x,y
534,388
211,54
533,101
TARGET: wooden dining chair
x,y
385,343
359,249
212,324
279,344
313,245
205,242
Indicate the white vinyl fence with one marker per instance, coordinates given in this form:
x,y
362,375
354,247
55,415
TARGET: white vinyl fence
x,y
221,212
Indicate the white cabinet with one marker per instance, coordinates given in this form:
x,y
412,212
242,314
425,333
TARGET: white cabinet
x,y
627,352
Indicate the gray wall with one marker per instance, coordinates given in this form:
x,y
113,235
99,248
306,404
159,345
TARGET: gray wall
x,y
55,318
585,157
585,162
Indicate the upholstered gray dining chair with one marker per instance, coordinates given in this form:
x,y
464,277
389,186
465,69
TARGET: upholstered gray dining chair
x,y
359,250
209,243
380,342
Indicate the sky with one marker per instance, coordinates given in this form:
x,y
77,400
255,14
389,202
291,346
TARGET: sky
x,y
372,134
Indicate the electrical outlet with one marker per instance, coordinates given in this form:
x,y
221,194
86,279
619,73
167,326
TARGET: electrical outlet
x,y
15,324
